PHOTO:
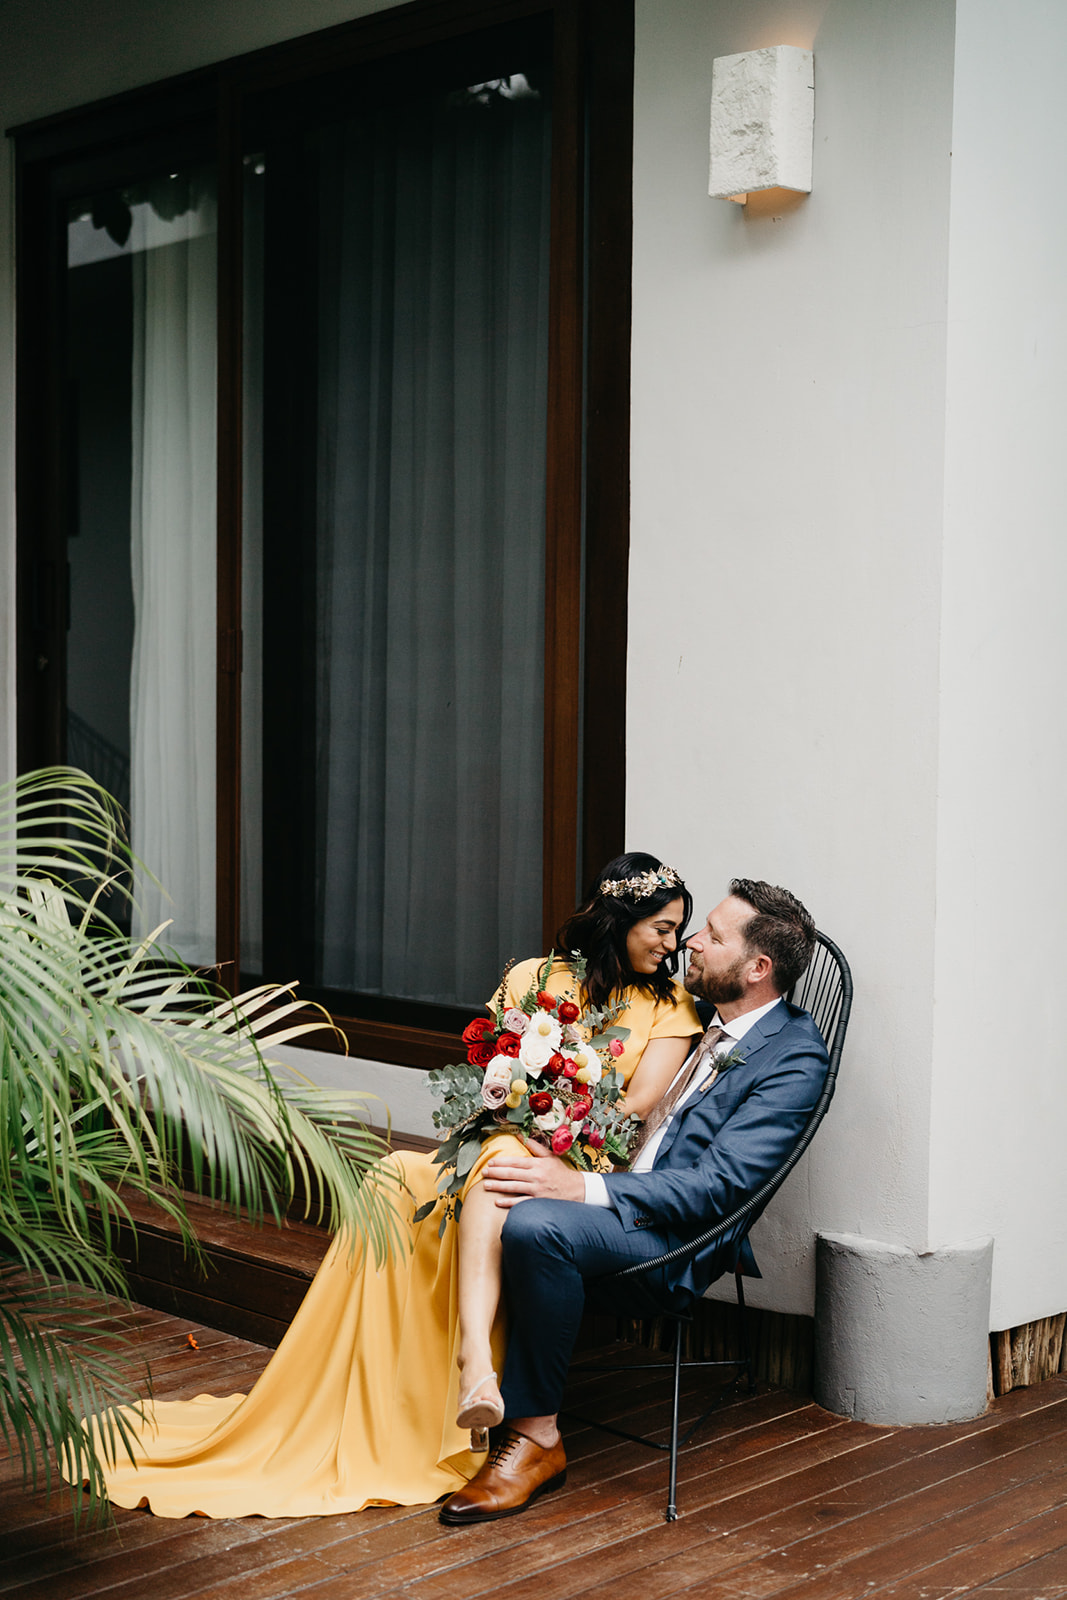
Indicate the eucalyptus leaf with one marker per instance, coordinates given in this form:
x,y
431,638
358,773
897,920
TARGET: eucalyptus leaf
x,y
468,1155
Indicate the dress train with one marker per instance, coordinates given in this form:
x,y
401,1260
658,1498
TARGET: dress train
x,y
357,1406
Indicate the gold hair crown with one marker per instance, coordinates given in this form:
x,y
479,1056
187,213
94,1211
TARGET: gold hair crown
x,y
641,887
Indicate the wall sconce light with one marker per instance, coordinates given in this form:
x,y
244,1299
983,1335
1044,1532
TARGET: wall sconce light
x,y
762,121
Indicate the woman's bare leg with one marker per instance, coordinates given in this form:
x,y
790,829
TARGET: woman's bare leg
x,y
481,1222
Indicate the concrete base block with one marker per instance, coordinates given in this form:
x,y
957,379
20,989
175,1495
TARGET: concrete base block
x,y
899,1337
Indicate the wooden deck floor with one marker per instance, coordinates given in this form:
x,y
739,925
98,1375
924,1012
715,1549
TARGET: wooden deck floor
x,y
778,1498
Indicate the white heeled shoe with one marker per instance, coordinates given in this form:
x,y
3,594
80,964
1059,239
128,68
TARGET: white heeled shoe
x,y
480,1408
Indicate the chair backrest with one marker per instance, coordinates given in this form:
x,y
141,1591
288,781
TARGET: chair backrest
x,y
826,991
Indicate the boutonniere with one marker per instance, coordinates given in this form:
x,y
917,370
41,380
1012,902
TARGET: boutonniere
x,y
733,1058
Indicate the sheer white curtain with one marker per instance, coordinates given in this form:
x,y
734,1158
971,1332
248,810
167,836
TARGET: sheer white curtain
x,y
433,317
172,677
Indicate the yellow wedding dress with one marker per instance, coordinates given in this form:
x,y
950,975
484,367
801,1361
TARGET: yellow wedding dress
x,y
357,1406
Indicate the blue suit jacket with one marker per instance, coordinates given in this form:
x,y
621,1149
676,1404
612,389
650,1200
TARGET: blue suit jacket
x,y
725,1142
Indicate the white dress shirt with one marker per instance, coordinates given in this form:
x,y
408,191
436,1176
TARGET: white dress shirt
x,y
596,1188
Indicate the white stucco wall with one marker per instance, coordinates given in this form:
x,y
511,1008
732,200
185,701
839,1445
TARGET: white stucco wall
x,y
1000,1057
788,421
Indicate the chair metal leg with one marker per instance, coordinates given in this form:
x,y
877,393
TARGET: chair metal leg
x,y
746,1348
672,1487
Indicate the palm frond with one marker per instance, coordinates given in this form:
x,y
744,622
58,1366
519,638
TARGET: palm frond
x,y
54,1382
123,1072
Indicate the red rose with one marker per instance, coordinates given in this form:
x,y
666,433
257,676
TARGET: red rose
x,y
509,1044
555,1065
481,1053
540,1103
568,1011
569,1068
476,1030
546,1001
595,1137
581,1108
562,1140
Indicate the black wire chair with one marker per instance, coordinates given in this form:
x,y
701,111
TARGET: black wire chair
x,y
826,991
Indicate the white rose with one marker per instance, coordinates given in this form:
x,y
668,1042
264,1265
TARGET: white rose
x,y
585,1059
496,1082
515,1020
547,1028
500,1070
534,1053
548,1121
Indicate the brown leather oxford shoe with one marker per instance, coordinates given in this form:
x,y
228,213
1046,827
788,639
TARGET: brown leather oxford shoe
x,y
516,1472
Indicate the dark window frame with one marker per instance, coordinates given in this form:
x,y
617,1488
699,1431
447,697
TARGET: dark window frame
x,y
588,419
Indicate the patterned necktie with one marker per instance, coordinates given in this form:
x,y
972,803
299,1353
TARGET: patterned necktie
x,y
662,1110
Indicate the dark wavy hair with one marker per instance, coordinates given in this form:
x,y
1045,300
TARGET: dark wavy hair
x,y
599,927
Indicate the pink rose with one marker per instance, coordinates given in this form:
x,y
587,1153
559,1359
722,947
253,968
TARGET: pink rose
x,y
562,1140
616,1047
595,1137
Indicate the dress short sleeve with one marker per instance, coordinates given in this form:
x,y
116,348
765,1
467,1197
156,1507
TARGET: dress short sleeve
x,y
524,973
677,1021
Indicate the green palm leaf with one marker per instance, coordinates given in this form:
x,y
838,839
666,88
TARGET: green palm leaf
x,y
120,1070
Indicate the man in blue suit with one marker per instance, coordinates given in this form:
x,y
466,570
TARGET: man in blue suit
x,y
732,1114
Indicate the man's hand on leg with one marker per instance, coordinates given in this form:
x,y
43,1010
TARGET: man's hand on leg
x,y
537,1176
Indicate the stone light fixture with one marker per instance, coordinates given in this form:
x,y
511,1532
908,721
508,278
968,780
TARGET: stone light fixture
x,y
762,121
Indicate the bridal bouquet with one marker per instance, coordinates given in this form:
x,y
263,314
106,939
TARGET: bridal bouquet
x,y
544,1069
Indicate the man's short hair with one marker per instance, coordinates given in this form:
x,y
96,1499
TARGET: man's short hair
x,y
782,929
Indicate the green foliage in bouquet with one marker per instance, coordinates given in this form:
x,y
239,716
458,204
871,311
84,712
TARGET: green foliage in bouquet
x,y
543,1068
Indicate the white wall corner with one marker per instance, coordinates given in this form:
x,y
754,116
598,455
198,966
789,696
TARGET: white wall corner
x,y
762,121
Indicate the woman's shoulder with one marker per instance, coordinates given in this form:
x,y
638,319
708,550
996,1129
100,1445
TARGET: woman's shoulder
x,y
525,974
676,1016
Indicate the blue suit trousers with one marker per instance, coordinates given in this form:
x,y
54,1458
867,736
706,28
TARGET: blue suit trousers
x,y
558,1257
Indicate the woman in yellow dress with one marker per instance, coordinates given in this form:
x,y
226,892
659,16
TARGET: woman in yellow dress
x,y
371,1396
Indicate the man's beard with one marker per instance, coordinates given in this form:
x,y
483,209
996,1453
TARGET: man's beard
x,y
721,990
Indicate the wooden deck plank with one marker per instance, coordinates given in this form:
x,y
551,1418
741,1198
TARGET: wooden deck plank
x,y
999,1559
1043,1579
950,1541
900,1533
778,1498
749,1520
590,1519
